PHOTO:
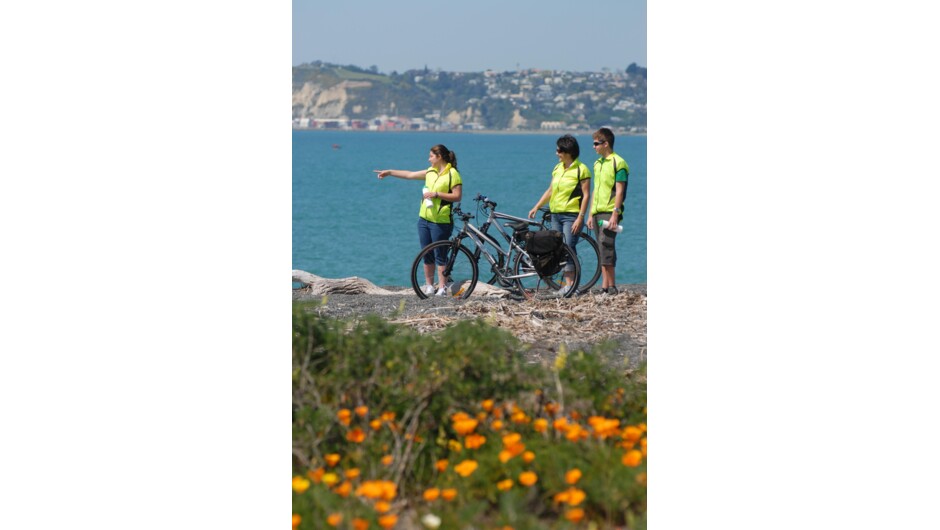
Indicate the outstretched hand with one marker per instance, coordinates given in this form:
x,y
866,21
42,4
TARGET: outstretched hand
x,y
382,173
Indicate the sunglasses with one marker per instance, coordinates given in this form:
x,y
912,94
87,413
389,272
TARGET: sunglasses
x,y
598,143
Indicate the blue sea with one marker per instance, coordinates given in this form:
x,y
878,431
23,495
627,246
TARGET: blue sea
x,y
346,222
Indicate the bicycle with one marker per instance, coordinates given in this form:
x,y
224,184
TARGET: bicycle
x,y
462,272
590,261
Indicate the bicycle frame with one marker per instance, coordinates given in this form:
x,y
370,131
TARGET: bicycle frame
x,y
480,238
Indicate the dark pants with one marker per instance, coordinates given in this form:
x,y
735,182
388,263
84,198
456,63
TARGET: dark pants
x,y
428,233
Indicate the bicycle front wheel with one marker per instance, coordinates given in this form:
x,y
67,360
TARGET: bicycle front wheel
x,y
460,270
534,285
589,256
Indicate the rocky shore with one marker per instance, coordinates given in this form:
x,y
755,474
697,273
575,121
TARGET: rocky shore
x,y
615,324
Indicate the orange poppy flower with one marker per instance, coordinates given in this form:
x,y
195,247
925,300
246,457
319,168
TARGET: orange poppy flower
x,y
466,468
382,506
441,465
540,425
356,435
431,494
344,416
334,519
362,410
295,519
573,476
360,524
375,424
316,474
329,479
448,494
474,441
497,425
352,473
388,521
344,489
487,405
631,433
466,426
528,478
387,460
504,485
632,458
332,459
574,515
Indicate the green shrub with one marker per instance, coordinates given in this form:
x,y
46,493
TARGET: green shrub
x,y
460,410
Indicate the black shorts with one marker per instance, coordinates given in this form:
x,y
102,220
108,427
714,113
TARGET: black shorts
x,y
606,240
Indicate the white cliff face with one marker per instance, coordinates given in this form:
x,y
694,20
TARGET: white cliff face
x,y
315,101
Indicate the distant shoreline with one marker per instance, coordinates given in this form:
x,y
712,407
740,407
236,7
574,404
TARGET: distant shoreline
x,y
485,131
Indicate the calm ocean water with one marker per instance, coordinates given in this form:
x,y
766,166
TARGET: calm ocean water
x,y
346,222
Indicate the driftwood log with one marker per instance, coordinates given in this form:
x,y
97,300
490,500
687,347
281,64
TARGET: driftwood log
x,y
357,285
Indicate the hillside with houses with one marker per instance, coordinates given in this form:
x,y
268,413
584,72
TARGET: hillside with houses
x,y
328,96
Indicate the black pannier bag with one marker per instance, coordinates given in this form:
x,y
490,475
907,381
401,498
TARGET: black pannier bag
x,y
547,249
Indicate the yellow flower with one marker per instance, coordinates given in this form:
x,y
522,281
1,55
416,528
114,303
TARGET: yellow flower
x,y
441,465
295,519
465,427
387,460
362,410
332,459
474,441
573,476
632,458
352,473
466,468
574,515
300,484
448,494
330,478
528,457
382,506
356,435
334,519
487,405
454,446
388,521
540,425
528,478
504,485
431,494
343,415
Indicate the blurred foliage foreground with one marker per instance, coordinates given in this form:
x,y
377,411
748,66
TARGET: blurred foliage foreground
x,y
395,429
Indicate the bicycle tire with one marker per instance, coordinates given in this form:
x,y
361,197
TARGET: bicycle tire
x,y
538,286
461,269
590,263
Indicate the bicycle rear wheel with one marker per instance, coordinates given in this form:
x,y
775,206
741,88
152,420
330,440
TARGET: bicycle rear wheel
x,y
461,269
589,257
534,285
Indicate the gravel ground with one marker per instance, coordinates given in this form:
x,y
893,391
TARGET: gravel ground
x,y
580,322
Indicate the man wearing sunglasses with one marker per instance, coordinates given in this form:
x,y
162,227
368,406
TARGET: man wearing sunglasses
x,y
610,189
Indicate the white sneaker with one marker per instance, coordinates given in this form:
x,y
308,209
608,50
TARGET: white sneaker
x,y
441,292
564,289
428,289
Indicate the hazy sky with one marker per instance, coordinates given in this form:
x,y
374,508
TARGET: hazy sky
x,y
471,36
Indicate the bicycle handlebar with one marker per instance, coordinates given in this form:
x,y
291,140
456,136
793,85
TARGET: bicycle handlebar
x,y
486,200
